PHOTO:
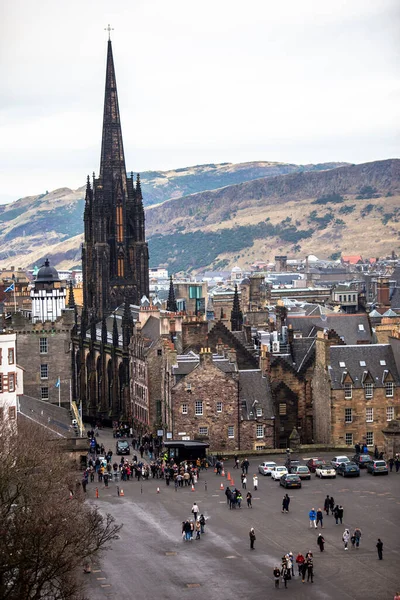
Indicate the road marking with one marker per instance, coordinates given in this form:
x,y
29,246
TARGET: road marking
x,y
215,495
222,502
101,578
104,585
231,557
192,585
170,554
96,571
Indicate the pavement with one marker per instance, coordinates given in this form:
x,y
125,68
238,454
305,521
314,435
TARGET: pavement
x,y
150,559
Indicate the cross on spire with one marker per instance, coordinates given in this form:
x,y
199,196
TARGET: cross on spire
x,y
109,29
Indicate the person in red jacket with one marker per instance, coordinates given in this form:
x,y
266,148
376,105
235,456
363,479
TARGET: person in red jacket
x,y
300,562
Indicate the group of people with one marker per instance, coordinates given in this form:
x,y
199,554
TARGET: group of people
x,y
234,498
285,571
316,517
194,526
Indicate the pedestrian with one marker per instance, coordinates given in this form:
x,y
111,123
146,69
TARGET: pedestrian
x,y
192,527
246,465
228,495
202,521
290,563
252,537
310,569
300,562
320,518
287,502
304,571
239,498
312,516
186,529
198,529
340,514
244,482
376,452
379,547
255,482
249,498
357,534
195,511
321,542
397,463
331,504
284,504
285,575
277,575
236,459
391,463
345,538
327,504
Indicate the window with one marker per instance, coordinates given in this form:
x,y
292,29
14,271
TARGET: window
x,y
382,363
43,346
282,409
11,382
44,391
340,298
349,439
194,291
354,299
1,384
1,413
231,431
370,438
198,408
184,409
369,414
260,431
348,415
360,326
44,371
219,407
120,224
342,364
203,430
1,355
12,413
348,391
389,389
11,356
390,413
259,411
369,390
362,363
159,352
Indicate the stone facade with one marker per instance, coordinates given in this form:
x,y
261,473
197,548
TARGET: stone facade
x,y
208,385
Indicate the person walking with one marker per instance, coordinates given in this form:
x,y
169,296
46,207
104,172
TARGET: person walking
x,y
255,482
320,518
285,574
277,575
312,516
228,495
244,483
195,511
357,535
321,542
300,562
340,514
379,547
346,538
249,498
327,505
331,504
290,563
284,504
287,502
252,537
391,463
197,529
397,463
310,569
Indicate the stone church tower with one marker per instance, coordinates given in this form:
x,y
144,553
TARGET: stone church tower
x,y
115,256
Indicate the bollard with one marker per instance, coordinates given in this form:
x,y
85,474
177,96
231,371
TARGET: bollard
x,y
141,489
97,492
117,490
205,486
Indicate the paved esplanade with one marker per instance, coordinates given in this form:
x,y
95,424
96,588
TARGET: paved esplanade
x,y
150,560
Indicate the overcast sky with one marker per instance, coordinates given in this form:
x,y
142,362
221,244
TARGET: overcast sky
x,y
198,81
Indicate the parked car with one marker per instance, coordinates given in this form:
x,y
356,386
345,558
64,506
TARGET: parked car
x,y
122,447
278,471
377,467
302,471
348,469
289,463
290,481
265,467
362,460
337,460
325,471
313,462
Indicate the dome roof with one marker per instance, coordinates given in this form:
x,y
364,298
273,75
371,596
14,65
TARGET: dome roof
x,y
47,274
236,269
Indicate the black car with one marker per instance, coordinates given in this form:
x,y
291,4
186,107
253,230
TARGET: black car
x,y
122,447
290,481
348,469
362,460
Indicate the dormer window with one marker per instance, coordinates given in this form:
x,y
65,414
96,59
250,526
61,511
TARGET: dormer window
x,y
363,363
348,391
342,364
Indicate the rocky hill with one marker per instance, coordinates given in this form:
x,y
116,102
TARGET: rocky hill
x,y
317,208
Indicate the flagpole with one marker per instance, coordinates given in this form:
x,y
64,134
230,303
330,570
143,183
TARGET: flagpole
x,y
15,300
59,391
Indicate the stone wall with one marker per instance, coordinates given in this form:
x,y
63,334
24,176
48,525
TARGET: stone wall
x,y
321,389
248,435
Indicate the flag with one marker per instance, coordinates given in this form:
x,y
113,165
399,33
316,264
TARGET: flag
x,y
57,383
10,288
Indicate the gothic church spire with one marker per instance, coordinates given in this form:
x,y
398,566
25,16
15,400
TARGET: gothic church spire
x,y
236,314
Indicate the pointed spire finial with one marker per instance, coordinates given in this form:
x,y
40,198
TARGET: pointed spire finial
x,y
109,29
71,298
171,302
236,314
115,335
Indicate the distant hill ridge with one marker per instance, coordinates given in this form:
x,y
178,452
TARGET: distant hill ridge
x,y
314,208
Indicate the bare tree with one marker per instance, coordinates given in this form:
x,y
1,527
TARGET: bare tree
x,y
47,530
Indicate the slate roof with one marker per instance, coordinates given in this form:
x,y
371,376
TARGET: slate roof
x,y
253,386
345,325
372,354
151,329
186,363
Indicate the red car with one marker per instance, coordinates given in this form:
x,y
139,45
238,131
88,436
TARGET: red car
x,y
314,462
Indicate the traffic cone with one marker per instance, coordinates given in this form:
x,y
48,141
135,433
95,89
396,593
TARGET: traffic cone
x,y
232,482
193,488
158,490
97,492
221,487
229,476
222,473
121,492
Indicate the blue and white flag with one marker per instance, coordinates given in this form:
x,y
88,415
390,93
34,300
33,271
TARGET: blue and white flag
x,y
57,383
10,288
